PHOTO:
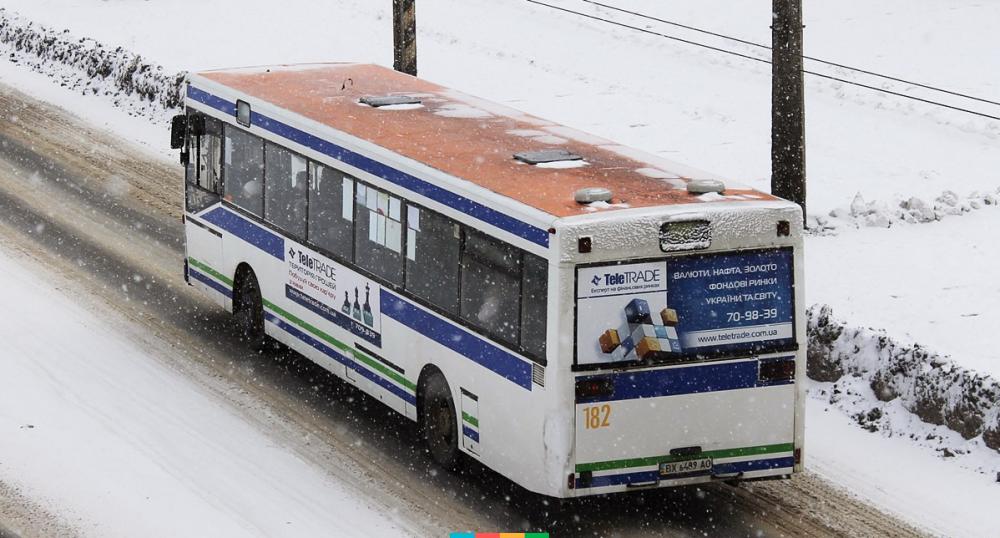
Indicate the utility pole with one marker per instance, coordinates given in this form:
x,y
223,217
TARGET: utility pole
x,y
788,140
404,36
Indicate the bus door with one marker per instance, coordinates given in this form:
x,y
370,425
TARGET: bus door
x,y
685,368
203,191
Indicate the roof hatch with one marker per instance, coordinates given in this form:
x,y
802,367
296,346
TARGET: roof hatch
x,y
547,156
376,101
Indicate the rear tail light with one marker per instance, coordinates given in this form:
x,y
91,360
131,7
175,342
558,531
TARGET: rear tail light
x,y
594,387
798,455
777,369
784,228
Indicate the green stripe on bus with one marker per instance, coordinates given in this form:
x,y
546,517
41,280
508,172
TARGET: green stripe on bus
x,y
656,460
360,357
470,419
218,276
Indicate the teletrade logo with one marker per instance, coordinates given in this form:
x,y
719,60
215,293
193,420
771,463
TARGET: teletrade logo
x,y
626,278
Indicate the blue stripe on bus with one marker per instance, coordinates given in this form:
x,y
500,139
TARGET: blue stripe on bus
x,y
485,354
217,103
470,433
646,477
211,282
328,351
257,236
414,184
676,381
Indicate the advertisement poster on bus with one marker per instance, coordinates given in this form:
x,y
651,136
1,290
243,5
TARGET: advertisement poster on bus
x,y
335,293
685,306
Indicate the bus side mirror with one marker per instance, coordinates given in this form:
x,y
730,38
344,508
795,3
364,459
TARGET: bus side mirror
x,y
196,125
178,131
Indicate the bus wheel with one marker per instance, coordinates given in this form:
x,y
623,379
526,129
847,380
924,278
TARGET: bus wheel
x,y
248,311
440,423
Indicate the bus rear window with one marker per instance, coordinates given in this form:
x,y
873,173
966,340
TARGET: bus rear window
x,y
686,308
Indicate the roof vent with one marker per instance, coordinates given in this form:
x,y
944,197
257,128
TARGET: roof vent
x,y
377,101
592,194
705,186
546,156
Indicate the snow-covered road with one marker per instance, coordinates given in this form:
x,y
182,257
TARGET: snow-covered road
x,y
365,460
116,438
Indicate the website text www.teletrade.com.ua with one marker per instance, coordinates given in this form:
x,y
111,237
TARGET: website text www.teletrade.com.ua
x,y
708,339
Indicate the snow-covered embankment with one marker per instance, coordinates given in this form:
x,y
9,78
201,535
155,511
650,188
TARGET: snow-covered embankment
x,y
933,387
131,82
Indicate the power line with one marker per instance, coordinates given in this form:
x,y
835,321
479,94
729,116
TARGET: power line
x,y
647,31
756,59
811,58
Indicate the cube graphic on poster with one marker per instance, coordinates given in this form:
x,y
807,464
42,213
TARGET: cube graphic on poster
x,y
639,338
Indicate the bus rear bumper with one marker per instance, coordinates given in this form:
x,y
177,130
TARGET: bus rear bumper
x,y
615,481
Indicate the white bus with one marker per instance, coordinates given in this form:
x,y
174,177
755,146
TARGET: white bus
x,y
579,316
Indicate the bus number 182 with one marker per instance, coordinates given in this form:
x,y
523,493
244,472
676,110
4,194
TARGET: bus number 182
x,y
597,416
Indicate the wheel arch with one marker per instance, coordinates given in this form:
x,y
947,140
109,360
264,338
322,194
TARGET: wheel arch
x,y
425,373
239,276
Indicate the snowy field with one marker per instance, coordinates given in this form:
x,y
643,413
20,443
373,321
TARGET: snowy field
x,y
931,283
935,284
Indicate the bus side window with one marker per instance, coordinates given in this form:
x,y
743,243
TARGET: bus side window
x,y
433,247
285,189
491,286
204,180
243,170
534,305
331,210
378,233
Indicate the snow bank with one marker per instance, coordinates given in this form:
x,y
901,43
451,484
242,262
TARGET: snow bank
x,y
929,385
130,81
912,210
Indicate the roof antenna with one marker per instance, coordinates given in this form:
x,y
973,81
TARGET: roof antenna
x,y
344,85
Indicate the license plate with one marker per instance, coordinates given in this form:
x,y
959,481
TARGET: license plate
x,y
701,465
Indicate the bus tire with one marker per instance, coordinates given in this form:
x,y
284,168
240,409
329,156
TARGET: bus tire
x,y
439,422
248,310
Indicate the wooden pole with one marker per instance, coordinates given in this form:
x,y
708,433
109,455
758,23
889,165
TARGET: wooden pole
x,y
788,142
404,36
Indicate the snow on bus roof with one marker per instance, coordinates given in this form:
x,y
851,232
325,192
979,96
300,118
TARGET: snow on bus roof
x,y
473,139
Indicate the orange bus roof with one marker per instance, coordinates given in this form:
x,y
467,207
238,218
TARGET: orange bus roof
x,y
470,138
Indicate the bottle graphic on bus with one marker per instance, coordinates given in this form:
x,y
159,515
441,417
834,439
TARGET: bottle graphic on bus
x,y
369,317
346,309
356,311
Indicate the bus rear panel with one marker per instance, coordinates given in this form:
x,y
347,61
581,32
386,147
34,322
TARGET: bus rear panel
x,y
686,356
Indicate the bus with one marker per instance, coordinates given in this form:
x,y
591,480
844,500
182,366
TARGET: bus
x,y
579,316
